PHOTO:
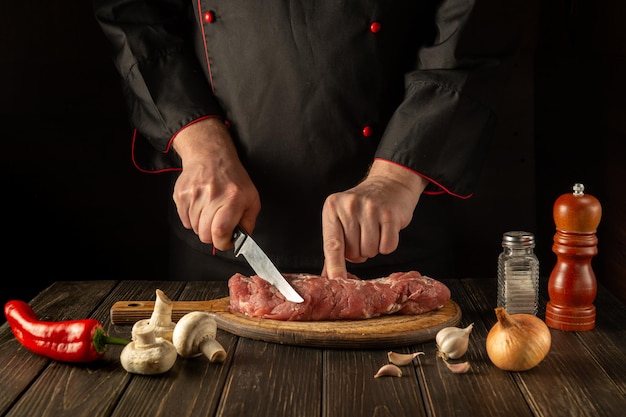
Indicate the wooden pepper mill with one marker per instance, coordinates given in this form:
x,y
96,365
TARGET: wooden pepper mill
x,y
572,285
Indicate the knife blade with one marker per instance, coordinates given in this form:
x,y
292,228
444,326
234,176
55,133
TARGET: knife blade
x,y
262,265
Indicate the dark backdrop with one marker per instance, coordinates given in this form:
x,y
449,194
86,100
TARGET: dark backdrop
x,y
74,207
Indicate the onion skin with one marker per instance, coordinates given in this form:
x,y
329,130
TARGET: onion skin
x,y
517,342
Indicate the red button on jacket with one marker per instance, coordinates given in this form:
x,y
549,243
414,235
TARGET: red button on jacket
x,y
209,17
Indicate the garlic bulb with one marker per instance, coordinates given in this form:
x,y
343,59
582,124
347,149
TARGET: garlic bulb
x,y
452,342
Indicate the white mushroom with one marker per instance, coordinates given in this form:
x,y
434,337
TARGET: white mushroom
x,y
161,318
148,354
194,335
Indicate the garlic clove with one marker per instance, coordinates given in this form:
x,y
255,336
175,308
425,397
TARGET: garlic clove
x,y
388,370
402,359
452,342
458,368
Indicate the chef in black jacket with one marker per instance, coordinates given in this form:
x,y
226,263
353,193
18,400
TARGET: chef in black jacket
x,y
333,130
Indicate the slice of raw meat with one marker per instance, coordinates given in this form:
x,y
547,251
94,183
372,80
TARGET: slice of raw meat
x,y
336,299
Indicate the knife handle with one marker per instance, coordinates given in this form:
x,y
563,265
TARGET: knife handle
x,y
239,236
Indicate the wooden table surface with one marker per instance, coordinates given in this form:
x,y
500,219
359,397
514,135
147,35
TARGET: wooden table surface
x,y
584,373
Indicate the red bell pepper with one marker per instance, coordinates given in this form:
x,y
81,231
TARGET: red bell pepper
x,y
66,341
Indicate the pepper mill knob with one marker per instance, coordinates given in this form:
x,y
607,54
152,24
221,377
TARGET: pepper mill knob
x,y
572,285
577,212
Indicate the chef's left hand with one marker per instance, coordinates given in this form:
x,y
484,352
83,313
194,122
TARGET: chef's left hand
x,y
366,220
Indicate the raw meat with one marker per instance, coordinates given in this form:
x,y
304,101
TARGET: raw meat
x,y
335,299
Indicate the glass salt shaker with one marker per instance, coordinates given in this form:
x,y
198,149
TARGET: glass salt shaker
x,y
518,274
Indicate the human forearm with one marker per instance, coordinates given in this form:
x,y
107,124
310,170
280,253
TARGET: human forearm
x,y
214,192
383,170
206,141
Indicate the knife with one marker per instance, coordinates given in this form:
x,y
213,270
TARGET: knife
x,y
264,268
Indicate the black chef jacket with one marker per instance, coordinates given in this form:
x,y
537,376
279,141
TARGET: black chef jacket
x,y
313,91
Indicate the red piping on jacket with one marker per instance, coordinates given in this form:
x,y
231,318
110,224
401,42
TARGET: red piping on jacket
x,y
132,155
444,189
168,149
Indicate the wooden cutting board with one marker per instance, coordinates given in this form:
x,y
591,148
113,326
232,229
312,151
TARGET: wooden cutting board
x,y
379,332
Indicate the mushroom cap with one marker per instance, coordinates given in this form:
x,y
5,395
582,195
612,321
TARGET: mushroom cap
x,y
191,330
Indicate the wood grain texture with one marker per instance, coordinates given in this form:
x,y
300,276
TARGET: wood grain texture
x,y
568,381
352,390
384,331
583,374
270,380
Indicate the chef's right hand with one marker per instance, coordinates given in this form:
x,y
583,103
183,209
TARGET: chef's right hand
x,y
214,192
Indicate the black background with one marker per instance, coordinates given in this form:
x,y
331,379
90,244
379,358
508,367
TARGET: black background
x,y
75,208
73,205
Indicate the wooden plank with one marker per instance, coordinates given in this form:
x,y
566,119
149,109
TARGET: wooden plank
x,y
383,331
484,390
350,388
71,390
129,312
191,388
582,375
269,380
607,343
572,377
569,381
61,301
12,357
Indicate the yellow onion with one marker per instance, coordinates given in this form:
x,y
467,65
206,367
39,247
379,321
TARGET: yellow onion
x,y
517,342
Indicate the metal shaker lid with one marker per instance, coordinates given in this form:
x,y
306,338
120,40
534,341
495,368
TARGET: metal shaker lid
x,y
518,238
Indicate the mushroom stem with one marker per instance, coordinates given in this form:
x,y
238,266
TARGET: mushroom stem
x,y
162,313
161,318
144,336
213,350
